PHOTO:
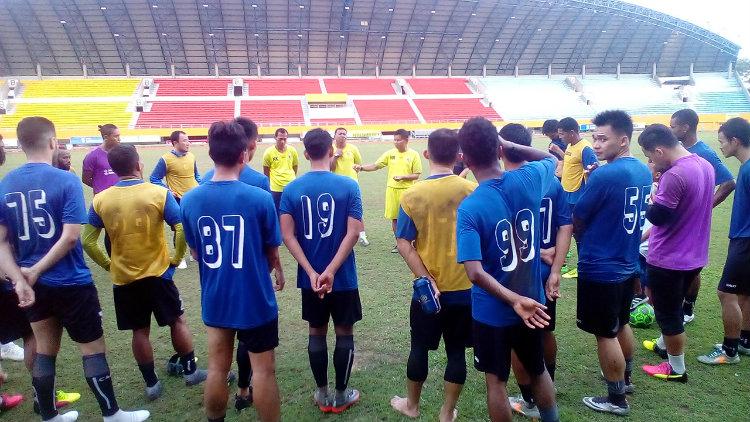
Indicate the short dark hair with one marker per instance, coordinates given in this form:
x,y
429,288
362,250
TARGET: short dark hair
x,y
738,128
657,135
123,159
340,128
280,130
318,143
550,126
688,117
569,124
251,129
479,141
34,132
107,129
227,141
175,136
442,144
618,120
517,134
402,133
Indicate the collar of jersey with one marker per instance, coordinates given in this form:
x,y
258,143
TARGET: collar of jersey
x,y
179,154
129,182
438,176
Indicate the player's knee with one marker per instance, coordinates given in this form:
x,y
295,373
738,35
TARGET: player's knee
x,y
417,365
727,298
455,369
316,343
345,342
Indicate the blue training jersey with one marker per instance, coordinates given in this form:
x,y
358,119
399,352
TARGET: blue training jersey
x,y
248,176
705,152
37,200
554,213
498,224
612,210
320,203
740,223
230,225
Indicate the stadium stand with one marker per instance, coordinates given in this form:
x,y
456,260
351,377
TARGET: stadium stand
x,y
380,111
71,115
270,87
274,113
76,88
361,86
439,86
333,122
453,109
716,93
174,114
210,87
636,94
534,97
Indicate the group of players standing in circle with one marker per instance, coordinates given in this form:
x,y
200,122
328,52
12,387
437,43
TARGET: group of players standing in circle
x,y
494,252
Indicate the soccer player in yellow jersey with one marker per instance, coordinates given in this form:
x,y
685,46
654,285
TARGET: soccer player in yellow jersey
x,y
133,213
578,161
179,168
427,220
404,167
280,164
344,158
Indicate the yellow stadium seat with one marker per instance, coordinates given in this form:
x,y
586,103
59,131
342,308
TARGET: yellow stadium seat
x,y
67,116
67,88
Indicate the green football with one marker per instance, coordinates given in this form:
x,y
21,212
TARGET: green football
x,y
642,316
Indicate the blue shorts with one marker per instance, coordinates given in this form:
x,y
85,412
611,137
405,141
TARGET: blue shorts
x,y
643,270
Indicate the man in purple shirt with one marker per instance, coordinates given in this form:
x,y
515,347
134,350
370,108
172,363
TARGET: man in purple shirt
x,y
97,172
678,245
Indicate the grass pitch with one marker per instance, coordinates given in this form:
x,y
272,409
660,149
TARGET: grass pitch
x,y
382,339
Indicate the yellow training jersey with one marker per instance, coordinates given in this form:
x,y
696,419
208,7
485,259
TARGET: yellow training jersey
x,y
349,157
282,166
133,217
573,166
431,204
400,164
181,172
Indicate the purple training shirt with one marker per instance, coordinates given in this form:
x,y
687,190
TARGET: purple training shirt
x,y
96,162
688,189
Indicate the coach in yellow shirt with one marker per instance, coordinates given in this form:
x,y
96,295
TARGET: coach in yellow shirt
x,y
579,156
404,167
280,164
345,157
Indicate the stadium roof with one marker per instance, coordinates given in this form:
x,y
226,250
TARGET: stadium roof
x,y
315,37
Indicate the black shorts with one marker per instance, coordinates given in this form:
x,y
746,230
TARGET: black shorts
x,y
76,307
453,323
343,307
135,302
668,289
13,322
603,308
260,339
552,312
736,277
492,347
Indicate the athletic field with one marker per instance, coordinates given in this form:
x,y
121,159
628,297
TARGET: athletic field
x,y
382,338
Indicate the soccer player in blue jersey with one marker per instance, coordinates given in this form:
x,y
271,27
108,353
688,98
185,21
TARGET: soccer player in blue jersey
x,y
556,234
734,287
41,212
499,247
607,221
233,233
321,218
248,175
684,125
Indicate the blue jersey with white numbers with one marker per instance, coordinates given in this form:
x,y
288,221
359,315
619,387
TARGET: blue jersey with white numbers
x,y
248,176
231,225
37,200
320,204
721,171
498,224
555,213
612,210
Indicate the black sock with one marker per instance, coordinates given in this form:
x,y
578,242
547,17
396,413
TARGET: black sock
x,y
551,367
343,358
317,351
689,304
526,393
730,346
616,390
628,370
244,370
745,338
219,419
149,374
43,381
96,371
188,362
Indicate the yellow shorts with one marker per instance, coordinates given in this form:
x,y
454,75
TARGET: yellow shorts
x,y
392,202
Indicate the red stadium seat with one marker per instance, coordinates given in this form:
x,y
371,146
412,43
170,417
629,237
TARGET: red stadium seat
x,y
439,86
170,114
360,86
441,110
383,111
274,113
270,87
192,87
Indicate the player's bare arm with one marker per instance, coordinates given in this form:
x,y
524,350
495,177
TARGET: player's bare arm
x,y
367,167
68,239
413,176
528,153
562,245
87,177
10,269
267,171
414,262
288,229
274,261
353,228
723,191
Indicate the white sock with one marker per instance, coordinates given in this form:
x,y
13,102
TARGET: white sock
x,y
660,342
70,416
362,234
677,363
133,416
